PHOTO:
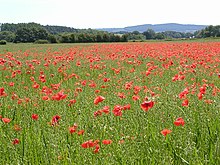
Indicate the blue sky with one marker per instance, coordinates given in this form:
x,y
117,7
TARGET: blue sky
x,y
109,13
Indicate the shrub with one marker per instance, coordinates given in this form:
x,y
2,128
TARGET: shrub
x,y
3,42
41,42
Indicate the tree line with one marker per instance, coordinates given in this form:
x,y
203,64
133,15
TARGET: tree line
x,y
33,32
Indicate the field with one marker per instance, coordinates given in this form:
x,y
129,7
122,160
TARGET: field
x,y
130,103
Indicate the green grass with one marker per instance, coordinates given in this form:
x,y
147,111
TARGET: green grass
x,y
136,135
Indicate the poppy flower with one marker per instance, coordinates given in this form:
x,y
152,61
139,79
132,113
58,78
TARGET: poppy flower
x,y
98,99
146,105
117,111
165,132
97,148
106,142
6,120
185,103
55,119
81,132
16,141
88,144
72,130
34,116
98,113
106,109
179,121
2,92
135,97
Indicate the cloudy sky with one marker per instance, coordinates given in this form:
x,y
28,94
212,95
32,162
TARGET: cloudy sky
x,y
109,13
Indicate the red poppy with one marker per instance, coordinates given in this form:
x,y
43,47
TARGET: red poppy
x,y
135,97
117,111
106,109
146,105
98,99
81,132
165,132
2,92
106,142
72,130
6,120
185,103
16,141
55,119
179,121
200,95
34,116
98,113
45,98
11,84
88,144
97,148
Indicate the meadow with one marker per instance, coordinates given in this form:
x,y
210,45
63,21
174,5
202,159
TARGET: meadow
x,y
124,103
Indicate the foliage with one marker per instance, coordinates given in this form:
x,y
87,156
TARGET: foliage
x,y
210,31
30,34
119,103
3,42
41,42
7,35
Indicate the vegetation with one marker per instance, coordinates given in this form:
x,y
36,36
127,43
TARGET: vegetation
x,y
32,32
210,31
3,42
119,103
60,34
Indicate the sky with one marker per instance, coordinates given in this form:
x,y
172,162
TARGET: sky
x,y
85,14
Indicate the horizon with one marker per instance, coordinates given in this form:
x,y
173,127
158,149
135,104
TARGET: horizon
x,y
104,27
97,14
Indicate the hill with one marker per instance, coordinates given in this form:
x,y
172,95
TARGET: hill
x,y
158,28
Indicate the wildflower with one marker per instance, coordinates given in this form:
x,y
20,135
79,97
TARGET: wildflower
x,y
88,144
97,148
146,105
72,130
106,142
2,92
185,103
55,119
16,141
34,116
165,132
6,120
117,111
179,121
81,132
98,99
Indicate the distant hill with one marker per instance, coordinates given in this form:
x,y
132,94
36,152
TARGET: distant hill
x,y
158,28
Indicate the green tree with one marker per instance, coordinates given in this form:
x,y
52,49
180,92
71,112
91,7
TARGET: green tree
x,y
7,35
149,34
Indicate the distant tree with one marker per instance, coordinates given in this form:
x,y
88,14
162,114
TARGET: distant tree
x,y
99,38
65,38
106,37
159,36
124,38
30,34
209,31
149,34
135,32
7,35
52,38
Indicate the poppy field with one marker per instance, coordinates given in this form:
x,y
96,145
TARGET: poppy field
x,y
124,103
